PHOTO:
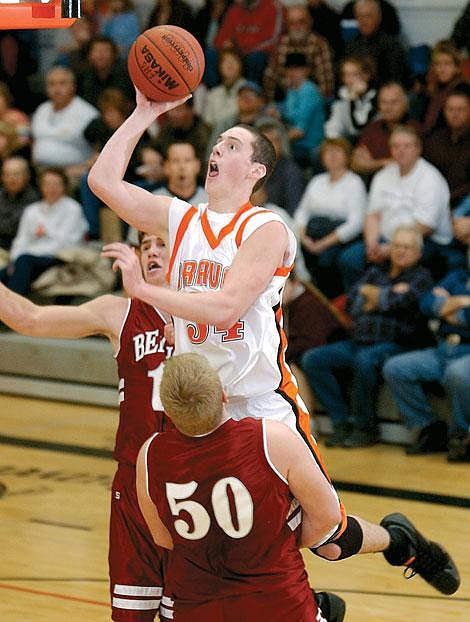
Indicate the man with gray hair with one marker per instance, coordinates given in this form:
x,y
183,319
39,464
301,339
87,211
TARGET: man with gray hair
x,y
384,306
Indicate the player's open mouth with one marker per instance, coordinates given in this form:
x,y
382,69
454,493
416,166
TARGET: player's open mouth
x,y
213,169
153,265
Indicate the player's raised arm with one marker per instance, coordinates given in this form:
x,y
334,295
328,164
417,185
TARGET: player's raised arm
x,y
136,206
101,316
321,513
252,270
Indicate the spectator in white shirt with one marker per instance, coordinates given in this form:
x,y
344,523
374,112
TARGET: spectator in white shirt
x,y
409,191
52,224
330,215
58,124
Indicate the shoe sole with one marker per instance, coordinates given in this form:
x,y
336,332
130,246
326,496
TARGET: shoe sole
x,y
400,520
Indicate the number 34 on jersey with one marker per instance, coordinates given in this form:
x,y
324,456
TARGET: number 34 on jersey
x,y
198,333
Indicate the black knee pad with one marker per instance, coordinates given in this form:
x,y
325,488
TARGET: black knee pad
x,y
350,541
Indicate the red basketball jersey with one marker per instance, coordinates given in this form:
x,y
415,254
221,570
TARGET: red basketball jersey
x,y
226,506
142,351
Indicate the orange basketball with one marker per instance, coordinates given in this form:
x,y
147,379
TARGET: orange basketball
x,y
166,63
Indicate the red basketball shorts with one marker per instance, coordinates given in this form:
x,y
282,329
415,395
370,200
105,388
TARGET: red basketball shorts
x,y
135,562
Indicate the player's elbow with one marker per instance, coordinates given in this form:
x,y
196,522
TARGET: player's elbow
x,y
95,181
334,516
102,180
27,323
321,528
227,316
226,320
224,310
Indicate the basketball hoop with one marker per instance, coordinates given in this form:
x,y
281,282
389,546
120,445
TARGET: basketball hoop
x,y
38,13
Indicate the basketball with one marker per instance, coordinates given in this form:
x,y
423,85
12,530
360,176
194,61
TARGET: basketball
x,y
166,63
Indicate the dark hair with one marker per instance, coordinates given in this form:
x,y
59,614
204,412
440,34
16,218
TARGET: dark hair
x,y
390,83
461,90
263,152
296,59
115,98
128,5
103,39
447,47
365,62
341,143
54,170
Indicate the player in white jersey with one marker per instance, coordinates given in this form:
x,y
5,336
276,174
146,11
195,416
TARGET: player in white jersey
x,y
241,329
240,161
250,354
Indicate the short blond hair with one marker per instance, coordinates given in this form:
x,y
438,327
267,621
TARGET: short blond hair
x,y
192,394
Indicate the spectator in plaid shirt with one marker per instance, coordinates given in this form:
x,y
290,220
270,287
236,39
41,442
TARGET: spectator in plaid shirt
x,y
384,306
300,38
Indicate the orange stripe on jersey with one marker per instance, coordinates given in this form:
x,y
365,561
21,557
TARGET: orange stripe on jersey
x,y
288,389
238,237
211,238
179,237
283,270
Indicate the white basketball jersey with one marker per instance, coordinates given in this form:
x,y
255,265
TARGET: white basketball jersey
x,y
250,355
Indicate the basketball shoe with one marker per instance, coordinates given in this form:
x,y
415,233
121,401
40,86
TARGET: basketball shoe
x,y
333,607
409,548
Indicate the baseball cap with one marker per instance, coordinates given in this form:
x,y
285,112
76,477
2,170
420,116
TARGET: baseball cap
x,y
252,86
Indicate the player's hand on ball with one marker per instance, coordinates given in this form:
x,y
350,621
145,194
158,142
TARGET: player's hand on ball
x,y
155,109
127,261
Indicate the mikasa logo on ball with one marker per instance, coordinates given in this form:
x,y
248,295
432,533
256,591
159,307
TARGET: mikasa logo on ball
x,y
157,69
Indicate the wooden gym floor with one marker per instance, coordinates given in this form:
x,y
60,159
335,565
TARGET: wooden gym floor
x,y
55,464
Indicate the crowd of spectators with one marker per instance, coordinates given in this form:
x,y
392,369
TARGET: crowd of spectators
x,y
373,173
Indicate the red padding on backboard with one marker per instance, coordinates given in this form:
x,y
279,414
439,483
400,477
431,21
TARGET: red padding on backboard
x,y
42,10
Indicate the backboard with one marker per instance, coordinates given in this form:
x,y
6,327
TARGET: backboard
x,y
38,13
